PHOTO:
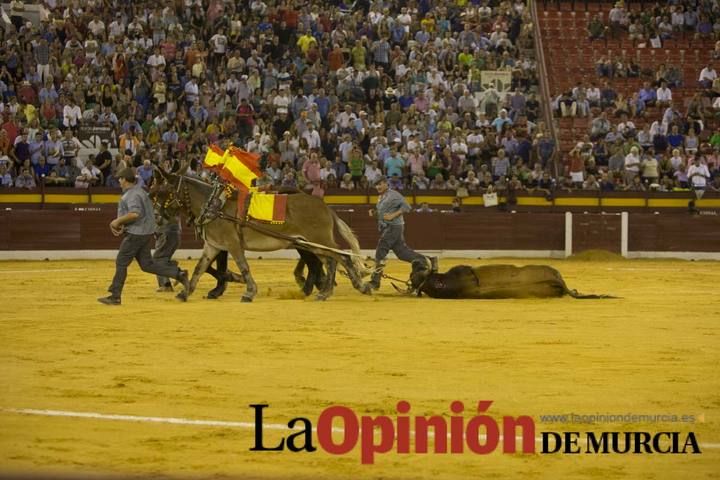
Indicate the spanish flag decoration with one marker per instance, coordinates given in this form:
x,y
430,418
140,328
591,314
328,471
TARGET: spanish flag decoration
x,y
268,207
238,168
250,160
234,165
214,159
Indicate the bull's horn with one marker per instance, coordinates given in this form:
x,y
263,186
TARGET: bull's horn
x,y
409,291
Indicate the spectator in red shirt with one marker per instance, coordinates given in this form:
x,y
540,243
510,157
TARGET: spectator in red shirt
x,y
245,120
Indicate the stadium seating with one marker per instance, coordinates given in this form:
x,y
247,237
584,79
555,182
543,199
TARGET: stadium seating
x,y
571,57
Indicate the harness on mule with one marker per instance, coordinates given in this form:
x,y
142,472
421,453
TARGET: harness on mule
x,y
251,204
416,268
212,208
248,213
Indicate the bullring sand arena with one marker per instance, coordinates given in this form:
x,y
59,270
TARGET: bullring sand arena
x,y
654,351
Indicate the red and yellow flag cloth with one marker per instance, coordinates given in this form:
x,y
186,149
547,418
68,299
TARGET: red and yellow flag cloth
x,y
240,168
268,207
236,166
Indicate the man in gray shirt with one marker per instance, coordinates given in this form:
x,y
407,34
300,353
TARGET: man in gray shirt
x,y
390,207
136,219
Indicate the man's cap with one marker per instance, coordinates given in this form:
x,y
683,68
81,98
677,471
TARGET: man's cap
x,y
128,174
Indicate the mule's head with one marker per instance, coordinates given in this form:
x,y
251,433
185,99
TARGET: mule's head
x,y
213,206
165,194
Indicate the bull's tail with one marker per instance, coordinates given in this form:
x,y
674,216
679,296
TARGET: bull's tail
x,y
575,294
580,296
348,235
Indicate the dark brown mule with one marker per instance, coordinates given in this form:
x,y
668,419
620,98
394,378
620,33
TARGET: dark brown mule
x,y
162,194
307,219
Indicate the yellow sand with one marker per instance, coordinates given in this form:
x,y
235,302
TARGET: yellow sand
x,y
653,352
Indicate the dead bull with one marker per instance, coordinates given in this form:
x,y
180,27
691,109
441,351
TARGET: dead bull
x,y
494,281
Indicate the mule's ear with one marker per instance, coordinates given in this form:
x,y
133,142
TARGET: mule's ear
x,y
183,168
159,174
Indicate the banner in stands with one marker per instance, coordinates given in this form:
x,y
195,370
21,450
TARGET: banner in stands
x,y
500,79
91,135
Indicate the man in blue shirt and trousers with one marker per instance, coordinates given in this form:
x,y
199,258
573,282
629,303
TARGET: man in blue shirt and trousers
x,y
389,212
136,219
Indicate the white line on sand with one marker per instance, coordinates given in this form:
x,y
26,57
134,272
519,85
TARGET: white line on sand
x,y
41,270
141,419
189,421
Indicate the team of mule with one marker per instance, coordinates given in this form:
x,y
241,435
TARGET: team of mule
x,y
309,225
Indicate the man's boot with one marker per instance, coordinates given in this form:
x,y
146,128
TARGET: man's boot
x,y
377,275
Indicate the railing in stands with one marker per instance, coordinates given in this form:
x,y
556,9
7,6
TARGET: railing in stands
x,y
544,86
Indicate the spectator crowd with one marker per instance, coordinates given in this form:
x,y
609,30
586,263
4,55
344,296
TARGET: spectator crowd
x,y
331,94
647,139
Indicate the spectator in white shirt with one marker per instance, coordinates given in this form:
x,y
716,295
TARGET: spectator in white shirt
x,y
658,128
632,165
475,142
71,114
664,95
678,19
592,94
282,99
232,85
459,147
373,173
116,28
191,91
156,59
219,43
97,27
135,27
698,174
344,118
707,76
312,137
90,175
326,170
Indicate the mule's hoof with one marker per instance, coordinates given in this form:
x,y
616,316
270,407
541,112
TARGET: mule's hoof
x,y
218,291
366,289
182,296
320,297
246,299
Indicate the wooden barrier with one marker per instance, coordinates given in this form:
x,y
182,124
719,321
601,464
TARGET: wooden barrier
x,y
87,228
561,201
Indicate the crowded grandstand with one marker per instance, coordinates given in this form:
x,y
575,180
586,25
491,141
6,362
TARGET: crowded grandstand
x,y
431,95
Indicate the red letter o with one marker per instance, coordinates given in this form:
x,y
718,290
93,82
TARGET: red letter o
x,y
350,430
